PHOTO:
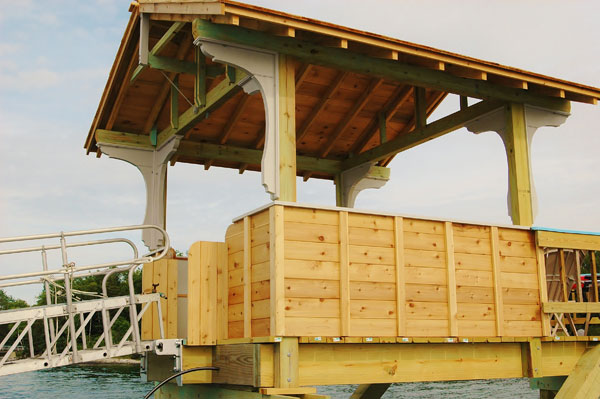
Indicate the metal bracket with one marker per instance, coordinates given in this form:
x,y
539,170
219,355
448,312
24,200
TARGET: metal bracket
x,y
173,348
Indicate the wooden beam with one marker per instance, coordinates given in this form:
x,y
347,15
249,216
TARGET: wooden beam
x,y
247,278
239,110
395,71
250,156
214,98
194,150
162,43
398,99
314,113
199,78
276,267
400,276
418,136
420,116
582,382
174,109
354,111
125,139
557,239
571,307
515,141
287,129
164,90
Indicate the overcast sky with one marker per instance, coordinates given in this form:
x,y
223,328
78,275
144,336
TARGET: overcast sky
x,y
55,57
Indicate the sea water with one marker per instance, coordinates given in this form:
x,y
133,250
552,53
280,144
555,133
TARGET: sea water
x,y
123,382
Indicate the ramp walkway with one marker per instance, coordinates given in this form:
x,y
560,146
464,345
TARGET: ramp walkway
x,y
62,328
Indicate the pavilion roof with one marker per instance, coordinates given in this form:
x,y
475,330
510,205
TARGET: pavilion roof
x,y
339,111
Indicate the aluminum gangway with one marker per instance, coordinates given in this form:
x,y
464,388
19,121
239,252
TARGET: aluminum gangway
x,y
62,326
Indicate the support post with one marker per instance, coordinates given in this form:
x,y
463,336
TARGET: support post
x,y
287,129
516,124
152,164
370,391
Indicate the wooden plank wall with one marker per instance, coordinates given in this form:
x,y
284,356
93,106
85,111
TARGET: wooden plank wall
x,y
248,277
162,274
353,274
205,261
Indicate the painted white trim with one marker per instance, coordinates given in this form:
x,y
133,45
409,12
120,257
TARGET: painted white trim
x,y
152,164
356,179
535,117
263,68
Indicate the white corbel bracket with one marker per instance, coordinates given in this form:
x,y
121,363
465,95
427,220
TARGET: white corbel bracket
x,y
535,118
262,68
359,178
152,164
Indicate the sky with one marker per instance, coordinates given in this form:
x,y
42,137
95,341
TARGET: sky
x,y
55,56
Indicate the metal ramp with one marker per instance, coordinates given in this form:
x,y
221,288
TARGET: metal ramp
x,y
58,333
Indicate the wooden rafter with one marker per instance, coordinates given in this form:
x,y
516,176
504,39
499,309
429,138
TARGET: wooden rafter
x,y
214,98
401,95
239,110
412,123
114,112
418,136
258,145
356,108
302,74
314,113
163,93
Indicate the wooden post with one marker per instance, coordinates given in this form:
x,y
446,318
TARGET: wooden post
x,y
451,278
515,141
287,129
344,275
247,278
400,283
277,293
370,391
541,265
498,300
286,363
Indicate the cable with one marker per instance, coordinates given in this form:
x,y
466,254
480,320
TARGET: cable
x,y
156,388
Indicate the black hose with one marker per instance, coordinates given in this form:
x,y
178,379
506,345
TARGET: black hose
x,y
156,388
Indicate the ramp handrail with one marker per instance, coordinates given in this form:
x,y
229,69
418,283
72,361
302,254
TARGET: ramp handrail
x,y
68,272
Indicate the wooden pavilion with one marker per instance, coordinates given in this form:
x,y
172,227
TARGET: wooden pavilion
x,y
297,296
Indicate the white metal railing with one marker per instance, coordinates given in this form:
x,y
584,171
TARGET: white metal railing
x,y
54,312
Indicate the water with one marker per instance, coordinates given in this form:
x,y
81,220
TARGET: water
x,y
123,382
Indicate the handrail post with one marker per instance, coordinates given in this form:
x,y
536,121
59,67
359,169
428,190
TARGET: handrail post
x,y
48,295
68,295
133,311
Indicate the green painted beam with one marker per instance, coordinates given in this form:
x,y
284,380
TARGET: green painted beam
x,y
140,141
199,78
162,42
548,383
421,135
214,98
392,70
218,152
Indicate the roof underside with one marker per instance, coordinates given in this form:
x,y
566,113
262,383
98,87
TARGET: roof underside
x,y
338,112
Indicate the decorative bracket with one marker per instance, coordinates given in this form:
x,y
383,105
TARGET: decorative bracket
x,y
535,118
352,181
152,164
262,68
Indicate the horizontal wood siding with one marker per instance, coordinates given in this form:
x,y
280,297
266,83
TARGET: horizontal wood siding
x,y
353,274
